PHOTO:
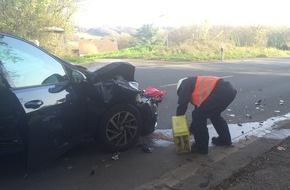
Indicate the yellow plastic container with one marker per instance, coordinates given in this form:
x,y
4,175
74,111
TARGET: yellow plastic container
x,y
181,134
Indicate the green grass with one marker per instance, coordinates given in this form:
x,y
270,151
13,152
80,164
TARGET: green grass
x,y
161,54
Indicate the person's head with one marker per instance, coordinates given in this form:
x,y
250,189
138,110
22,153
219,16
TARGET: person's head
x,y
179,85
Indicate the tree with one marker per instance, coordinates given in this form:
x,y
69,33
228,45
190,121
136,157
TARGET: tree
x,y
41,20
146,35
182,35
279,38
125,40
260,36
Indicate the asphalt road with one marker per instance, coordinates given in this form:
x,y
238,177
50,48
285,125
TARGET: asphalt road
x,y
85,167
266,80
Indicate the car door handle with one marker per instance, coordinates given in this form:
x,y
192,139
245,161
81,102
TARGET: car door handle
x,y
34,104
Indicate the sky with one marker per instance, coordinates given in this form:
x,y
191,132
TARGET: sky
x,y
176,13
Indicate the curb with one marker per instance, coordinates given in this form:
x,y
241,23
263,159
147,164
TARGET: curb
x,y
204,171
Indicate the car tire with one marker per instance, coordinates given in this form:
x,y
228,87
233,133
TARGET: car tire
x,y
119,128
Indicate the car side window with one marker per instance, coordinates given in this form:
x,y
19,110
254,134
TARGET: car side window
x,y
26,65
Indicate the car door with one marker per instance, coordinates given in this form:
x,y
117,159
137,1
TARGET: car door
x,y
55,116
13,131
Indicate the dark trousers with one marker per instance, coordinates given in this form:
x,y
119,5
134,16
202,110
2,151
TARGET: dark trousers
x,y
199,129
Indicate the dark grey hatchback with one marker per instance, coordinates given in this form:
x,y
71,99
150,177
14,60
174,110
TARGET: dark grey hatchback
x,y
48,105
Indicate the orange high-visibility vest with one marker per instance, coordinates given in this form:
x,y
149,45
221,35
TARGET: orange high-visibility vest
x,y
203,87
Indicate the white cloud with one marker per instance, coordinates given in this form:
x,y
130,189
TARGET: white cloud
x,y
182,12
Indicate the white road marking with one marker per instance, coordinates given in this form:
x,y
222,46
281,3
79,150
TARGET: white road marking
x,y
166,85
174,84
230,76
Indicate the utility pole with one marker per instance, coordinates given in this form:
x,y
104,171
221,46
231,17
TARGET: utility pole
x,y
167,39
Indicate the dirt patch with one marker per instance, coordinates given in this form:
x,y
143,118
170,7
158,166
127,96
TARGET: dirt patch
x,y
268,171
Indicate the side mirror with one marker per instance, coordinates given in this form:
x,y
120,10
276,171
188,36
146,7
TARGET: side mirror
x,y
78,77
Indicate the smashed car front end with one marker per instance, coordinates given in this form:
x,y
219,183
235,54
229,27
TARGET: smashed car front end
x,y
114,91
148,108
115,84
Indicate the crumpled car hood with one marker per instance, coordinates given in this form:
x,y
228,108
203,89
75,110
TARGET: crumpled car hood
x,y
115,70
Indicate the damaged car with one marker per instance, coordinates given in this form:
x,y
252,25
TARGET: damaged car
x,y
48,105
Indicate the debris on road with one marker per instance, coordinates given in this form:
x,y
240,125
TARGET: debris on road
x,y
281,102
258,103
92,172
281,148
107,165
147,149
116,156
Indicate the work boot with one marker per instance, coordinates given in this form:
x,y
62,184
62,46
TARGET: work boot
x,y
218,142
196,149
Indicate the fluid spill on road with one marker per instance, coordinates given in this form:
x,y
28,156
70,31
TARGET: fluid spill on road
x,y
240,131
